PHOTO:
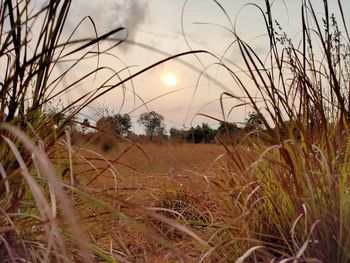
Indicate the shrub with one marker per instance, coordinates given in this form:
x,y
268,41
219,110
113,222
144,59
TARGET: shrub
x,y
107,142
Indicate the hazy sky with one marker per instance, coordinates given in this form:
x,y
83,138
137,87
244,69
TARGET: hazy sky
x,y
157,26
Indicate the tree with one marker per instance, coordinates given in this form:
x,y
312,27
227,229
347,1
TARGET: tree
x,y
202,134
153,123
253,122
85,125
53,117
106,137
105,124
120,124
209,133
195,134
178,134
227,128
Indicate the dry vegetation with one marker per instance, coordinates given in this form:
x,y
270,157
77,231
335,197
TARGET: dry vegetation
x,y
189,183
172,179
282,195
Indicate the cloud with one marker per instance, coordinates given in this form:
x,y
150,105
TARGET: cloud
x,y
110,14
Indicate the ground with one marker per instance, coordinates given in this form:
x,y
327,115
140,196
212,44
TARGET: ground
x,y
171,179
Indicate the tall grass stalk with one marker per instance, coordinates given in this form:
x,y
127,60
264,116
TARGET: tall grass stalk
x,y
43,206
31,194
283,195
294,191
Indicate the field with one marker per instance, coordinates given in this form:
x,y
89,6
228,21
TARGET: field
x,y
173,179
275,190
182,181
153,169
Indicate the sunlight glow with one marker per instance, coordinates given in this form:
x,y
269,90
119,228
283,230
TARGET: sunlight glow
x,y
170,79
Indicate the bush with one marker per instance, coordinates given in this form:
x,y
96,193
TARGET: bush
x,y
107,142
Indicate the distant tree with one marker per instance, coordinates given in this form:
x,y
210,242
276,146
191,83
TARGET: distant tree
x,y
314,116
119,124
174,133
57,119
178,134
85,125
122,124
106,137
105,124
230,132
202,134
209,133
253,122
227,128
153,123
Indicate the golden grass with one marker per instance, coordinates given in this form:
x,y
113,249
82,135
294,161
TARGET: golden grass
x,y
171,179
284,199
155,166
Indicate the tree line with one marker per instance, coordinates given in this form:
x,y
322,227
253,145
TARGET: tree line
x,y
155,128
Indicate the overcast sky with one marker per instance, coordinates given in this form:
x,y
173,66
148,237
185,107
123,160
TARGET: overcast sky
x,y
157,26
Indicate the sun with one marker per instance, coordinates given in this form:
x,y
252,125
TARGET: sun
x,y
170,79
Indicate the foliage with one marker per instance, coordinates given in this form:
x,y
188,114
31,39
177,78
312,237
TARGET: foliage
x,y
122,124
178,134
228,128
108,143
106,124
254,121
119,124
202,134
85,125
153,123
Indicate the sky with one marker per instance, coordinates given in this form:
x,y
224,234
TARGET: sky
x,y
157,29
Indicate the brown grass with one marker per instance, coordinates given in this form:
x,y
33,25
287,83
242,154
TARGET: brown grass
x,y
148,165
281,196
173,180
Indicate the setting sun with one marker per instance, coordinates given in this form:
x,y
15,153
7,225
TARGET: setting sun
x,y
170,79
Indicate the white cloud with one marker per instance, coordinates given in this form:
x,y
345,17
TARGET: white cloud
x,y
111,14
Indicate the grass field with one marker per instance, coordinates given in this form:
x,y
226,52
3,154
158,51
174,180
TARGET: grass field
x,y
277,192
180,181
149,167
170,178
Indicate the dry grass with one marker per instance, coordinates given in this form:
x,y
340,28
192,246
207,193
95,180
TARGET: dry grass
x,y
193,184
162,157
170,179
283,195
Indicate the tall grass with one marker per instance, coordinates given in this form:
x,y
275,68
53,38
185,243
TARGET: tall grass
x,y
33,198
292,194
282,197
42,206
